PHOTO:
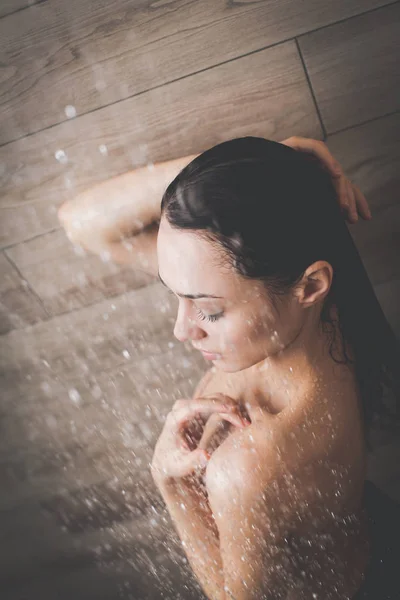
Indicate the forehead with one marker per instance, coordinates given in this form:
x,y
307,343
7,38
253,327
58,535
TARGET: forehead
x,y
187,260
190,264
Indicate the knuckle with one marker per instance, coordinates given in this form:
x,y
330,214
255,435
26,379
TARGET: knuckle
x,y
179,403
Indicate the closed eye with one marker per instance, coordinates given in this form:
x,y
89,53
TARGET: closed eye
x,y
211,318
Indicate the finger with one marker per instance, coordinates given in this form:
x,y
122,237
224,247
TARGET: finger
x,y
259,408
342,194
191,461
234,419
184,463
352,216
203,408
361,203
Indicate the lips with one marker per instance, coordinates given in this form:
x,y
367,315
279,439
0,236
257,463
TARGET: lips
x,y
210,356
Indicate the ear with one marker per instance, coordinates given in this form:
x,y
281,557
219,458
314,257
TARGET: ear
x,y
315,284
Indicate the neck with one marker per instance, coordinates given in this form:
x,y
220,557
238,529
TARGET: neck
x,y
305,361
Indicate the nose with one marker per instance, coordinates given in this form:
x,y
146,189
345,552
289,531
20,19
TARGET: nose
x,y
186,327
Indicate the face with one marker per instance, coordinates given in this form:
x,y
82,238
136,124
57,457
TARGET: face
x,y
225,314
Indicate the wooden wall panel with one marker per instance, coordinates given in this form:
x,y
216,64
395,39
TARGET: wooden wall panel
x,y
370,155
268,90
87,394
7,7
66,278
19,305
354,67
88,54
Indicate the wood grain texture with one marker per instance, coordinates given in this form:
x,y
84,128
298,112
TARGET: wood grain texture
x,y
85,393
370,155
7,7
66,277
19,306
353,67
268,89
91,54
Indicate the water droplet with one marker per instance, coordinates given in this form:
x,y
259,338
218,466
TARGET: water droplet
x,y
74,395
100,85
105,256
61,157
70,111
103,149
126,354
79,250
45,387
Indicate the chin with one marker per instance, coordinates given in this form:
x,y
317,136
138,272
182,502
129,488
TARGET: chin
x,y
229,367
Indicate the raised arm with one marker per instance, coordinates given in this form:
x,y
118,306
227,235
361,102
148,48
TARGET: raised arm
x,y
118,217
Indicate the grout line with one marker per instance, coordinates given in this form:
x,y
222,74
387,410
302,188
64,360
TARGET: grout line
x,y
329,134
78,308
293,38
355,125
324,133
28,285
366,12
31,238
23,8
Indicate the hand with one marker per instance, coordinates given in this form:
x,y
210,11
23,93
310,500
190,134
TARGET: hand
x,y
176,454
350,198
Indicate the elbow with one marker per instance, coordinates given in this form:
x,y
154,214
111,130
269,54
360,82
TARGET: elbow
x,y
67,219
75,224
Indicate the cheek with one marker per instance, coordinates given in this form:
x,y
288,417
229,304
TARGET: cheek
x,y
237,334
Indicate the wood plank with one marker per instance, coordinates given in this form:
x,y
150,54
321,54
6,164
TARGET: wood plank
x,y
141,324
87,396
125,408
370,155
92,54
7,7
268,88
129,560
19,306
353,67
66,278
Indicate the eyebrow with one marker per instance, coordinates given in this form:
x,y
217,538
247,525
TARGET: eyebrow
x,y
191,296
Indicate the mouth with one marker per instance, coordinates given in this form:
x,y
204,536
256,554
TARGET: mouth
x,y
210,355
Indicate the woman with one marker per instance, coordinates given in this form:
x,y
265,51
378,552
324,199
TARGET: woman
x,y
263,471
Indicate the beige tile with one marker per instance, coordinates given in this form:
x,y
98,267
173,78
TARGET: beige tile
x,y
66,277
353,67
88,55
370,156
19,306
268,88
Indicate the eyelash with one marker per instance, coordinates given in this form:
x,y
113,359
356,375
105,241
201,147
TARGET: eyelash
x,y
211,318
201,315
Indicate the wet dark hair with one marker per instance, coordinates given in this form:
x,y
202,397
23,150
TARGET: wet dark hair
x,y
274,212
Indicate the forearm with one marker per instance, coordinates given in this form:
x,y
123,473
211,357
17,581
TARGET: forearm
x,y
196,527
119,207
